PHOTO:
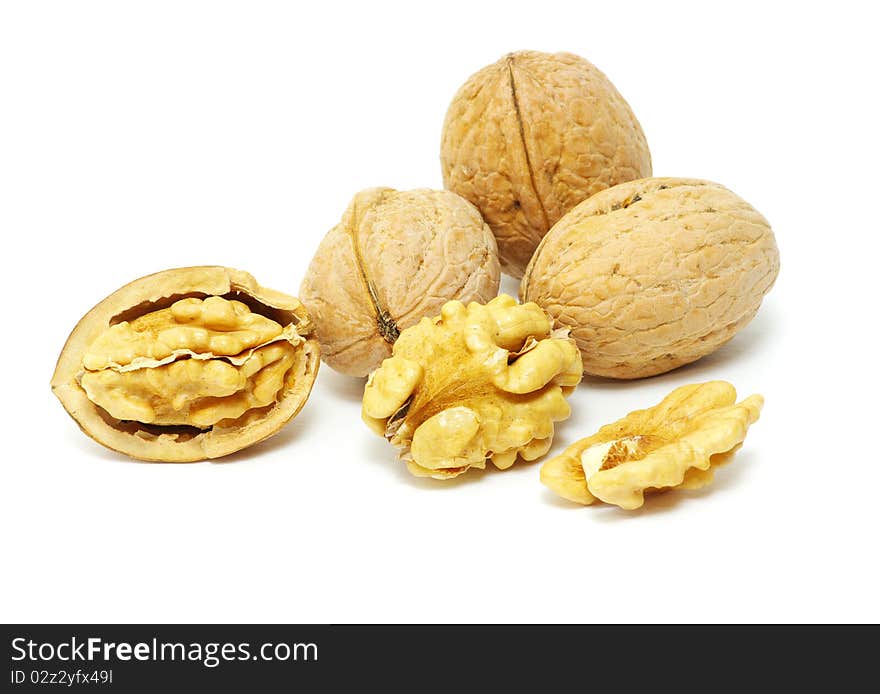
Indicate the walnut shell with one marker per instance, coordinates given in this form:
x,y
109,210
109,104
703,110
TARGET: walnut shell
x,y
395,257
188,364
653,274
529,137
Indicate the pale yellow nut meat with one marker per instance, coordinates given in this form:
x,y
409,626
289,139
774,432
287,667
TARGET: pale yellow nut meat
x,y
390,388
476,383
192,327
188,364
529,137
675,444
653,274
395,257
192,392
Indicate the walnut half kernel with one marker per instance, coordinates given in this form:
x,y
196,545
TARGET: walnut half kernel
x,y
676,444
188,364
476,383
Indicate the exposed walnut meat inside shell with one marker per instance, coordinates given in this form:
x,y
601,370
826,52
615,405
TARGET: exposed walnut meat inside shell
x,y
529,137
675,444
395,257
188,364
475,383
653,274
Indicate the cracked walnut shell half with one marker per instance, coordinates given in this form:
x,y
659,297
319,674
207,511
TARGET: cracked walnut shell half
x,y
188,364
653,274
676,444
396,257
527,138
477,382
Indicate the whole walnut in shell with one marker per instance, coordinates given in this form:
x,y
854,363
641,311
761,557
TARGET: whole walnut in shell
x,y
653,274
188,364
529,137
395,257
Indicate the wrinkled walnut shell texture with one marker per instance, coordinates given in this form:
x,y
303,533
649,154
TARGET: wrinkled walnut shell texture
x,y
185,444
653,274
531,136
396,257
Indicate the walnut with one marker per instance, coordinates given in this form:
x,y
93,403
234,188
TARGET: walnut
x,y
676,444
395,257
529,137
475,383
188,364
653,274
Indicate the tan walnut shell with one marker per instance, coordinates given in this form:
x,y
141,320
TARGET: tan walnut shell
x,y
676,444
653,274
188,364
529,137
476,383
395,257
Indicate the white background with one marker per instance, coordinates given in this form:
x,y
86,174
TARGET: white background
x,y
140,136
